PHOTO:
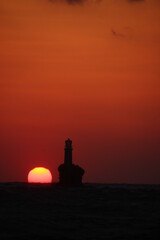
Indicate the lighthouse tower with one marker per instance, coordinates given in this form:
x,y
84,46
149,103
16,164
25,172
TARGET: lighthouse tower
x,y
68,152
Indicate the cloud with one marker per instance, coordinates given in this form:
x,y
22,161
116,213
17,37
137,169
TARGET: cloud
x,y
135,1
73,2
81,2
123,33
117,34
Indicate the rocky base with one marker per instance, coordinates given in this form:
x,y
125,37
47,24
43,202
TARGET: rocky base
x,y
70,175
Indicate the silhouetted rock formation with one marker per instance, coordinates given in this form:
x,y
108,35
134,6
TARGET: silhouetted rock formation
x,y
69,174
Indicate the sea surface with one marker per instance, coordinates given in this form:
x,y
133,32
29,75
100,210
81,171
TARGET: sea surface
x,y
94,211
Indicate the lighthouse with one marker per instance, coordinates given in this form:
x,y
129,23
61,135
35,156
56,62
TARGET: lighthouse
x,y
68,152
69,173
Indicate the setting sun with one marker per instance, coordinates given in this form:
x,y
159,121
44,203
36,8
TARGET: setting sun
x,y
39,175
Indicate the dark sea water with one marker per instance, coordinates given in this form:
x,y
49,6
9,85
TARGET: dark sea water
x,y
95,211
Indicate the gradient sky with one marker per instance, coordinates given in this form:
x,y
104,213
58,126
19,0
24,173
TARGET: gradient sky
x,y
84,69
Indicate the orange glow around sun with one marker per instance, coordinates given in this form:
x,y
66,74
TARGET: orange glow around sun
x,y
39,175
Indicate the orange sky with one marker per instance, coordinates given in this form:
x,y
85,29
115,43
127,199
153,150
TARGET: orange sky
x,y
88,70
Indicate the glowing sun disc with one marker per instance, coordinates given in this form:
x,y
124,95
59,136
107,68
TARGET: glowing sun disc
x,y
39,175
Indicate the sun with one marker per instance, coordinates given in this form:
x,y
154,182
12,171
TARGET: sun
x,y
39,175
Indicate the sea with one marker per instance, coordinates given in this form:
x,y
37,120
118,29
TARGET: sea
x,y
93,211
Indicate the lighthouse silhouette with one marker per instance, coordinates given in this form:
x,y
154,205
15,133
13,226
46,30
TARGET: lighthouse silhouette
x,y
69,174
68,152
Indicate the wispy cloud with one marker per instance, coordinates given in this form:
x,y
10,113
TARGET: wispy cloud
x,y
123,33
73,2
135,1
81,2
117,34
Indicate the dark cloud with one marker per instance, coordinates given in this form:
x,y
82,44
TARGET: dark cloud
x,y
81,2
135,1
117,34
123,33
68,1
72,2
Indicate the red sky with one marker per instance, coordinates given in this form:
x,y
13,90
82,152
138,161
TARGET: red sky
x,y
88,70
